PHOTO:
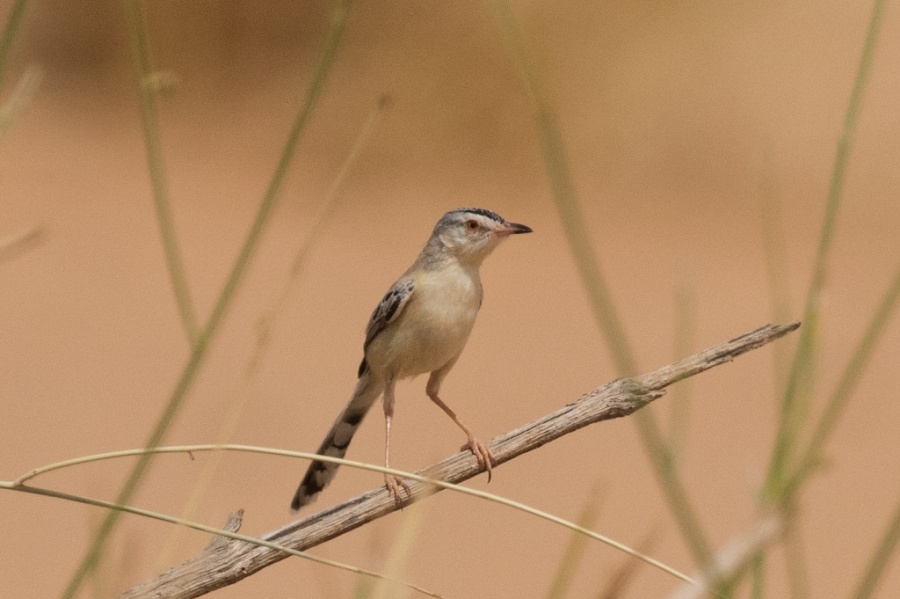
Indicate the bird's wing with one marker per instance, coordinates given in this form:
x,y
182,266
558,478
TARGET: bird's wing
x,y
389,309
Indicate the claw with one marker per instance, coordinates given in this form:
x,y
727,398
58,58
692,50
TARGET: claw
x,y
393,485
484,456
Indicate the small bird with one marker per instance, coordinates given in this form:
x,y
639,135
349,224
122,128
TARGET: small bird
x,y
421,325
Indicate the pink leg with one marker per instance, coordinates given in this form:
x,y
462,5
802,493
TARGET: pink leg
x,y
482,453
392,483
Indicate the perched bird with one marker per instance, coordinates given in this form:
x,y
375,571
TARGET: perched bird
x,y
421,325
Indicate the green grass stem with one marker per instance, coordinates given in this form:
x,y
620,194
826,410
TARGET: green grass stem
x,y
588,265
880,559
796,563
812,456
758,574
794,400
140,52
776,258
574,552
237,402
198,352
614,586
13,23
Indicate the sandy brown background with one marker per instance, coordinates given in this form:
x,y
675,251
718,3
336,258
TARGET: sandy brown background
x,y
680,118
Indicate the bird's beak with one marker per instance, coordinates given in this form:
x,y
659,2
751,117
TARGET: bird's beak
x,y
514,229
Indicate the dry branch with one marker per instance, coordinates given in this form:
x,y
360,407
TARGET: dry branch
x,y
232,560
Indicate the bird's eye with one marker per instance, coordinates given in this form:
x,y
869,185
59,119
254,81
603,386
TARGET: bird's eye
x,y
472,225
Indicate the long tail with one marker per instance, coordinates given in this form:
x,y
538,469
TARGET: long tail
x,y
338,439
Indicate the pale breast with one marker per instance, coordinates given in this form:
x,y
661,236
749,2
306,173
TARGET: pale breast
x,y
434,326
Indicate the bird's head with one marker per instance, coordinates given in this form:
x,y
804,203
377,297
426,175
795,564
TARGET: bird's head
x,y
470,234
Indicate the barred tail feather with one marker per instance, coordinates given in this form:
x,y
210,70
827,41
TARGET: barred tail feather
x,y
319,474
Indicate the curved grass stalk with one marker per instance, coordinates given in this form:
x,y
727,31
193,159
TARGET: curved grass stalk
x,y
19,483
213,530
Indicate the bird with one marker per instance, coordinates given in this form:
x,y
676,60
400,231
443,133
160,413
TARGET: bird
x,y
420,326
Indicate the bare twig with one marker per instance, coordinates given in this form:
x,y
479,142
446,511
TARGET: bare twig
x,y
233,524
236,560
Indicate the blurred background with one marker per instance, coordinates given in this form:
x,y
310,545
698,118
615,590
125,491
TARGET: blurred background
x,y
686,125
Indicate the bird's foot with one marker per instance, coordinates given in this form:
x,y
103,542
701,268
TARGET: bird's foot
x,y
393,485
484,456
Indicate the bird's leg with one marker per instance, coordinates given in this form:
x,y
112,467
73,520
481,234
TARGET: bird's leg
x,y
482,453
391,482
